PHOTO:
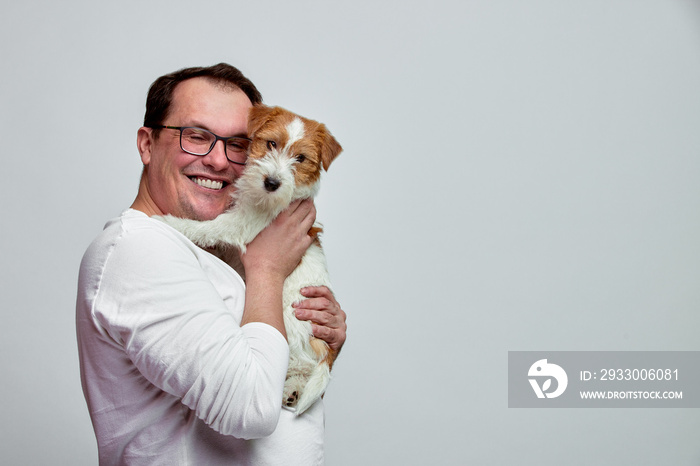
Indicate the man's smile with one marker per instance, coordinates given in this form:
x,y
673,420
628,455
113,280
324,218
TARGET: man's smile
x,y
208,183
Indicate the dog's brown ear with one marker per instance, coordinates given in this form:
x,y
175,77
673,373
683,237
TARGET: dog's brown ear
x,y
330,149
257,117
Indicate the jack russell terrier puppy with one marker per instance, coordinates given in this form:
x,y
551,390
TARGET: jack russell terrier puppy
x,y
285,157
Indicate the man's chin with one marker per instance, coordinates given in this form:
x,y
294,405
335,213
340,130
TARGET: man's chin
x,y
202,211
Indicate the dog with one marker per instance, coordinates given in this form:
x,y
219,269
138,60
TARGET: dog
x,y
285,157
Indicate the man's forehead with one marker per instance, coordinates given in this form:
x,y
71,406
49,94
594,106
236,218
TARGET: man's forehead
x,y
200,99
191,91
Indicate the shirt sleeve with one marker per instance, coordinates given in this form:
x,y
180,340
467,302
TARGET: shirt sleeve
x,y
159,304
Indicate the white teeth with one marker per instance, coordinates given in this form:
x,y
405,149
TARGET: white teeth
x,y
211,184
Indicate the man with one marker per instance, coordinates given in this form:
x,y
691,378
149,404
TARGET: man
x,y
181,362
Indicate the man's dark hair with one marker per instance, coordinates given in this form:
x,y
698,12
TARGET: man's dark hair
x,y
160,94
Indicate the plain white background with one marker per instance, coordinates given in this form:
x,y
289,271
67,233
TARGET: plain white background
x,y
517,175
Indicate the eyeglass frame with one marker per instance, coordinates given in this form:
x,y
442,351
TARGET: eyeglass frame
x,y
217,138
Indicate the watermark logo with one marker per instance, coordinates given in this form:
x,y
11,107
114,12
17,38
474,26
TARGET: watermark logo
x,y
603,379
544,371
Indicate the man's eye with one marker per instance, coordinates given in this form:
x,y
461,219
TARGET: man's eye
x,y
197,137
235,146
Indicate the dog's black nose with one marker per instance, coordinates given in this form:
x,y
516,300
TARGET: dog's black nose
x,y
271,184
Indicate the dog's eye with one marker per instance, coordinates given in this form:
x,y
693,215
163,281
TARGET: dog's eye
x,y
300,158
271,145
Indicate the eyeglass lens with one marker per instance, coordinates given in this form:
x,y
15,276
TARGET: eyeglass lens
x,y
200,142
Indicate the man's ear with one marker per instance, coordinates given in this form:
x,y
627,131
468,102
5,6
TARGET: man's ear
x,y
144,143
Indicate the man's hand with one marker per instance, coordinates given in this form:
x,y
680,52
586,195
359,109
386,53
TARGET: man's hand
x,y
324,312
278,249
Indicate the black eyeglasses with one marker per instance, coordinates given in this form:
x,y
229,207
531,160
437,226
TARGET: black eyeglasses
x,y
198,141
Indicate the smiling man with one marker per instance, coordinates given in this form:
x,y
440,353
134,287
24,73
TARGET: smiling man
x,y
182,362
176,182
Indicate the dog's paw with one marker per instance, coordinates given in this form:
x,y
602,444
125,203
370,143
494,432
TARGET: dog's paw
x,y
291,400
292,391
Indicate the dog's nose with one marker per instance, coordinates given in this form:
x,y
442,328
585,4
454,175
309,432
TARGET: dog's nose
x,y
271,184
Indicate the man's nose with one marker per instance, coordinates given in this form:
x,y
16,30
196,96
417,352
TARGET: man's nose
x,y
216,158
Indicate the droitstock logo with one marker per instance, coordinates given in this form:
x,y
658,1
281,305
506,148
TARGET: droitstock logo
x,y
541,374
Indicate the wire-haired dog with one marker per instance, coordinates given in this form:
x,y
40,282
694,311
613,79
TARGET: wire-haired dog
x,y
284,164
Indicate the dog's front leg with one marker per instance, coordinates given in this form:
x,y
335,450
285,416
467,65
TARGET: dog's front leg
x,y
211,233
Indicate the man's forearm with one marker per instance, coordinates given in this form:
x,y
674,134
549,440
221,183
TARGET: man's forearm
x,y
263,301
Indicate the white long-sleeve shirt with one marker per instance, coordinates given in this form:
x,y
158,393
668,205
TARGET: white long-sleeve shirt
x,y
169,375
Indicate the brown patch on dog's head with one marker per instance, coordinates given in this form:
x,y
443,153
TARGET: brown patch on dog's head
x,y
258,116
318,148
266,124
307,170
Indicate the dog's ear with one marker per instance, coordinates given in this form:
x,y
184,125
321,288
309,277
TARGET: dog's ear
x,y
257,117
330,149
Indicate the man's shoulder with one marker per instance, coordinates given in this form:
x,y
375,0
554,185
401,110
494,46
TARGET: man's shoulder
x,y
135,222
135,233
